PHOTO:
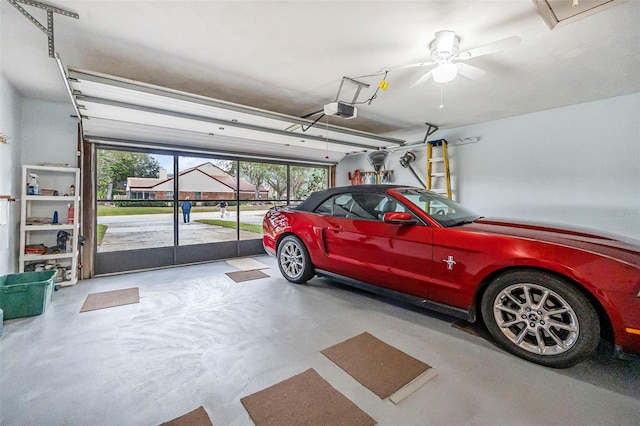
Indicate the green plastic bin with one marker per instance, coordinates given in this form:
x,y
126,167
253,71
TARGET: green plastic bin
x,y
26,294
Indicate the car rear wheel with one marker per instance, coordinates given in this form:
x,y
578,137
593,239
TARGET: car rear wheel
x,y
294,261
541,318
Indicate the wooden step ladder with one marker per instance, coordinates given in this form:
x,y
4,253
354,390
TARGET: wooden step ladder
x,y
442,176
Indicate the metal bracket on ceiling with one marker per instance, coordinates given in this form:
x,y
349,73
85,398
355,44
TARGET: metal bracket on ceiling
x,y
359,87
48,30
431,129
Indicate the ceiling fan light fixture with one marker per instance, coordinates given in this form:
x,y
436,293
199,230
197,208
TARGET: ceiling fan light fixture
x,y
444,73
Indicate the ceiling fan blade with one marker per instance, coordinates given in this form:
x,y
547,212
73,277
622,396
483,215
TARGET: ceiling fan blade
x,y
471,72
496,46
414,65
422,79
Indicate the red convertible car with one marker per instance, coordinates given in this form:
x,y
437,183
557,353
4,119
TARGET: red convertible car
x,y
546,294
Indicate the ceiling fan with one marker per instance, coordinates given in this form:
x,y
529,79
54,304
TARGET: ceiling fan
x,y
446,55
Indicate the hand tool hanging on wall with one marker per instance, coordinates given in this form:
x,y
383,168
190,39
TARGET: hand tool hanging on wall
x,y
406,161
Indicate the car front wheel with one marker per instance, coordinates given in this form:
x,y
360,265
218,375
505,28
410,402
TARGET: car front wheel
x,y
541,318
294,261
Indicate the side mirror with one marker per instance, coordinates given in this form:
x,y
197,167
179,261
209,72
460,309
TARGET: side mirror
x,y
399,218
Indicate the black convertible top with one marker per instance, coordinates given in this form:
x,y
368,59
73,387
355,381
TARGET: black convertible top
x,y
317,198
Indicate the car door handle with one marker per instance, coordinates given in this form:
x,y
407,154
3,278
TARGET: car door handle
x,y
334,228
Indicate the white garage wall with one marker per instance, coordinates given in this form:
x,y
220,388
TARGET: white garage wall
x,y
41,132
578,165
10,119
49,133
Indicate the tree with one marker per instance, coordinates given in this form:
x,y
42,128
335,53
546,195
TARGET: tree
x,y
305,180
276,178
256,174
225,165
298,179
114,167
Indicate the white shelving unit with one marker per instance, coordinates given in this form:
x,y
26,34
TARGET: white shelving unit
x,y
59,179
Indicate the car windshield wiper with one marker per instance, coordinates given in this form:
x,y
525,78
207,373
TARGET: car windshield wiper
x,y
464,222
459,223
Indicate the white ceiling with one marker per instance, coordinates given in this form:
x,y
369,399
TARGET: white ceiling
x,y
290,56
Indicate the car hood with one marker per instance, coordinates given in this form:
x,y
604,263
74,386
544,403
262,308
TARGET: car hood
x,y
610,245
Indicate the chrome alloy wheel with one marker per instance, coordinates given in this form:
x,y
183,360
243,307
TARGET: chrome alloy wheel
x,y
292,259
536,319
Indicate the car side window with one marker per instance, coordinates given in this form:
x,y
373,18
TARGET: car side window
x,y
360,206
326,207
389,205
341,205
353,206
336,206
363,206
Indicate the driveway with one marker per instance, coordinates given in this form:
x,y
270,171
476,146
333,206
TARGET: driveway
x,y
156,230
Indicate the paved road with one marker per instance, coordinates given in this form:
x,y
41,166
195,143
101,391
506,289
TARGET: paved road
x,y
156,230
254,217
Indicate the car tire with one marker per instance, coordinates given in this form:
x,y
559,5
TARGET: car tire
x,y
294,261
541,318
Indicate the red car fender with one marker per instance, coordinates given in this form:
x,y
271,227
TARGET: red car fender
x,y
606,300
279,224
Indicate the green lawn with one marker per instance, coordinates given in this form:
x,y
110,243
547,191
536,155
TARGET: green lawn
x,y
227,224
101,231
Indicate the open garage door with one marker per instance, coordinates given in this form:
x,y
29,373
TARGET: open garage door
x,y
206,147
118,111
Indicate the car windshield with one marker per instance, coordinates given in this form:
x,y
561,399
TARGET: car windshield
x,y
443,210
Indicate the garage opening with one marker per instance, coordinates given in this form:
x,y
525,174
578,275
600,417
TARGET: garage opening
x,y
211,152
158,209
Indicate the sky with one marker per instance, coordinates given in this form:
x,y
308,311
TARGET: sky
x,y
166,161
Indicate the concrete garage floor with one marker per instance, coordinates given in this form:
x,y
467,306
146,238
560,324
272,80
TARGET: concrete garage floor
x,y
198,338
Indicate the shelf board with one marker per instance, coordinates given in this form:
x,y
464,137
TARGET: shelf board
x,y
68,198
60,169
36,257
49,227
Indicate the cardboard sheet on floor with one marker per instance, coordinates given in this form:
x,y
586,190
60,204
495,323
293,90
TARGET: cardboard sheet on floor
x,y
246,264
241,276
109,299
197,417
384,370
304,399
